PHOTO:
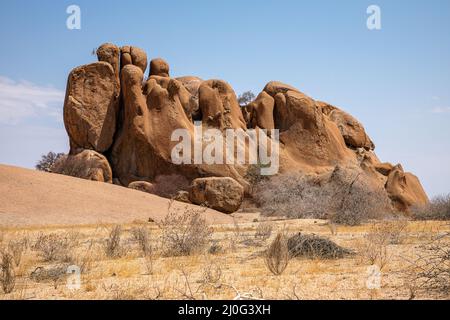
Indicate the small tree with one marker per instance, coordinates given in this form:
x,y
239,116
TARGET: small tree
x,y
246,97
47,161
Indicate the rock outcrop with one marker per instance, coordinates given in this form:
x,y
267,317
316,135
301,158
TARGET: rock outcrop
x,y
113,111
91,106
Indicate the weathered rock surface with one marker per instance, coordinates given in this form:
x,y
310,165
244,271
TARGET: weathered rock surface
x,y
85,164
91,106
134,56
404,189
222,194
135,131
110,53
159,67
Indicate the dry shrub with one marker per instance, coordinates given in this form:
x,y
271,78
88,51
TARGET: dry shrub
x,y
344,196
184,233
211,273
429,271
277,255
437,209
374,247
315,247
142,236
167,186
55,247
54,274
263,231
113,247
16,248
7,274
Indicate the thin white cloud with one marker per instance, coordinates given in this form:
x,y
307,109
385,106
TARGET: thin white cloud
x,y
23,100
441,110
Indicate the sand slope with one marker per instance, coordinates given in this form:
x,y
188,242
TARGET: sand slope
x,y
33,198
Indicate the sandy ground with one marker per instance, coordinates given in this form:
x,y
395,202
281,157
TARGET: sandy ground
x,y
238,267
32,198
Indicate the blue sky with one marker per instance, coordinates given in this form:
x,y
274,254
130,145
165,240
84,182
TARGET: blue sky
x,y
396,80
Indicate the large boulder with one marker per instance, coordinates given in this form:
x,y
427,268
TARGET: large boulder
x,y
85,164
261,112
159,67
110,53
143,186
220,193
91,106
405,190
133,55
352,130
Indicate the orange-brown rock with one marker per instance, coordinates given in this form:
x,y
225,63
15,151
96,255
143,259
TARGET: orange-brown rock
x,y
159,67
134,56
135,133
219,106
261,112
220,193
310,140
143,186
110,53
351,129
404,189
91,106
85,164
142,149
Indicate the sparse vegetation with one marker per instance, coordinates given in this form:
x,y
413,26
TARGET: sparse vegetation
x,y
142,236
184,233
437,209
7,273
343,197
113,247
47,161
54,247
263,230
429,271
277,255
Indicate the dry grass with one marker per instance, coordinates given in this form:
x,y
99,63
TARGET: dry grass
x,y
277,255
233,271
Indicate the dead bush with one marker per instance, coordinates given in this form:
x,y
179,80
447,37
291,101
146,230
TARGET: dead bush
x,y
437,209
53,247
263,231
142,236
113,248
429,271
374,248
344,196
7,274
277,255
167,186
16,248
211,273
53,274
314,247
184,233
